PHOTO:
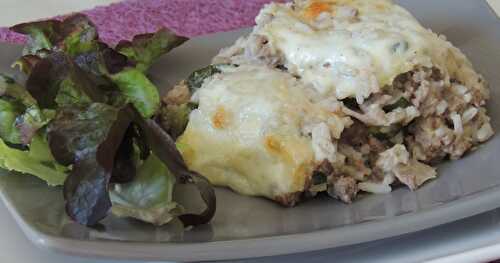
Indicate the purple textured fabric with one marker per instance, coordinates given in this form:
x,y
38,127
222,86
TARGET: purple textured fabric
x,y
190,18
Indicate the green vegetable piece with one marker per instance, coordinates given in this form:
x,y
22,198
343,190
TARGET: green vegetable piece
x,y
42,35
8,114
20,116
195,80
74,35
79,35
385,132
149,196
70,94
144,49
37,161
163,146
401,103
138,90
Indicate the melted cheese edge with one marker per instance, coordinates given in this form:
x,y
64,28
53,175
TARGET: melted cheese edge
x,y
351,55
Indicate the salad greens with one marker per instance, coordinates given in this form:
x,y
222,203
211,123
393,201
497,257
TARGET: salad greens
x,y
42,36
139,90
20,116
144,49
37,161
149,196
86,119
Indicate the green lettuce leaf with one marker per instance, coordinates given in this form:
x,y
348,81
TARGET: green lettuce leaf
x,y
138,90
42,35
74,35
20,116
149,196
37,161
144,49
78,34
163,146
8,113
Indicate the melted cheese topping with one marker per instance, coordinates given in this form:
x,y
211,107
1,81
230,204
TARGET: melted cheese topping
x,y
260,131
352,48
247,132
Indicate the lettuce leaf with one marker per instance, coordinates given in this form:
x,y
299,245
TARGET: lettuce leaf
x,y
144,49
26,63
163,146
78,34
74,35
88,138
8,113
100,110
149,196
20,116
138,90
42,35
57,81
37,161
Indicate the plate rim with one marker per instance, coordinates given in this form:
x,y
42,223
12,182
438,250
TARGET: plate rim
x,y
480,202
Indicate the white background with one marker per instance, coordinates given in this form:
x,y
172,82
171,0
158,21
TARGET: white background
x,y
18,11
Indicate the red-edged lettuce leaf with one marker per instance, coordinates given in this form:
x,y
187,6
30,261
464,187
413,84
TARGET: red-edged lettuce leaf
x,y
20,116
74,35
163,146
78,34
57,81
125,168
26,63
88,138
146,48
103,101
42,35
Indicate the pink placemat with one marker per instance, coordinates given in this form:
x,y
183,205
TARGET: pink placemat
x,y
190,18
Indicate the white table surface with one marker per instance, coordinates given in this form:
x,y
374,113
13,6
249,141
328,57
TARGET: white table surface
x,y
19,11
475,239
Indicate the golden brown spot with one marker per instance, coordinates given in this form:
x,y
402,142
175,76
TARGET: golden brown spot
x,y
273,144
380,7
220,118
316,8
